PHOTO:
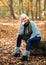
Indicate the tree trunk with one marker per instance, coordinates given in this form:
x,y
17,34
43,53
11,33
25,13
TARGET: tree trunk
x,y
11,8
31,9
20,6
45,5
42,45
36,9
39,11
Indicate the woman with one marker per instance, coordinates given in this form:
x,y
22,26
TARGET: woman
x,y
29,32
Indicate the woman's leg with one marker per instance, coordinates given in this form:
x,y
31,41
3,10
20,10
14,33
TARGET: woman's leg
x,y
30,41
16,51
28,47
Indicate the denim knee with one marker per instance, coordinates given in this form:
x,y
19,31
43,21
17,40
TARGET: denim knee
x,y
28,45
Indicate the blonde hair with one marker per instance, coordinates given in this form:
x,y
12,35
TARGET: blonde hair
x,y
23,15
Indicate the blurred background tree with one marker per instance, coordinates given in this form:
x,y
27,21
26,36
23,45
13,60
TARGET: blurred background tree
x,y
35,9
11,8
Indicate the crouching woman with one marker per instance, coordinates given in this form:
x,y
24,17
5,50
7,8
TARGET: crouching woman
x,y
29,33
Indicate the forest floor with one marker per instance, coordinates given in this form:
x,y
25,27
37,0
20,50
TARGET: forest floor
x,y
8,35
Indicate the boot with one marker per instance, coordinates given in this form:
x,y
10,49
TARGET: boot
x,y
25,54
16,52
24,58
17,55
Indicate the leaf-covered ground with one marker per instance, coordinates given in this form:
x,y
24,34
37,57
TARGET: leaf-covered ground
x,y
8,35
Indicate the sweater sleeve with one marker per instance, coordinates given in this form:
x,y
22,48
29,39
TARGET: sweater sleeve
x,y
35,30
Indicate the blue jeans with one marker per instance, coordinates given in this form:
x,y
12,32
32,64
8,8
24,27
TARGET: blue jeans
x,y
29,41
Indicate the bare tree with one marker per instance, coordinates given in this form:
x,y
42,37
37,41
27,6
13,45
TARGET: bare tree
x,y
45,5
20,6
10,2
39,11
31,9
36,9
11,8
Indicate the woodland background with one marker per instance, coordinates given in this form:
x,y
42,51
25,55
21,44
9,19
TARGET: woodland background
x,y
10,11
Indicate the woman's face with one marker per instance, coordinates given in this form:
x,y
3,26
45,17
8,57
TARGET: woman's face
x,y
24,20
